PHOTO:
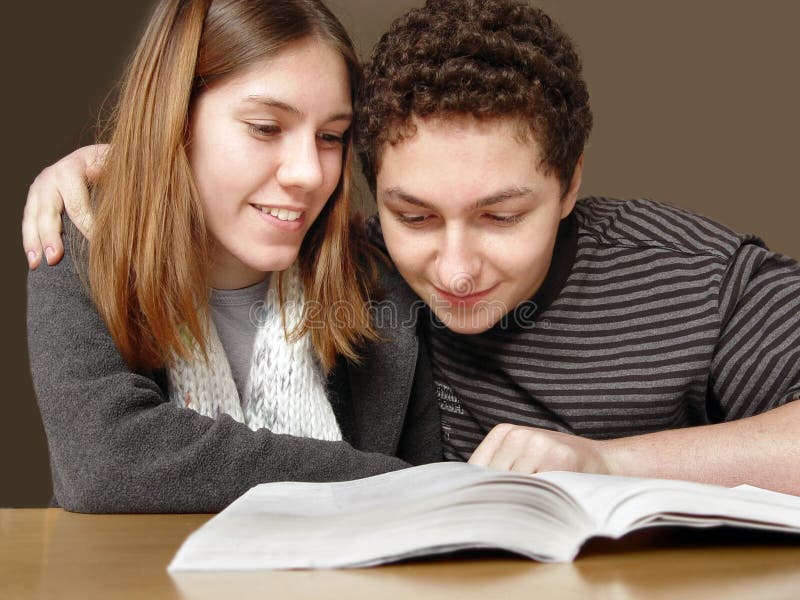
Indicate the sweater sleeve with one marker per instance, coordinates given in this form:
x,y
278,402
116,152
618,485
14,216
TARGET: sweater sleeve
x,y
756,364
117,445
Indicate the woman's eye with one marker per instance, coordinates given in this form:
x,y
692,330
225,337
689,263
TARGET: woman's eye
x,y
331,139
263,131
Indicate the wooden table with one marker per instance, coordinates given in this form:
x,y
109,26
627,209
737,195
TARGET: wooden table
x,y
49,553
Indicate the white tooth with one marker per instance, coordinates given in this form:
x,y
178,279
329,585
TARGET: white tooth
x,y
273,211
283,214
293,216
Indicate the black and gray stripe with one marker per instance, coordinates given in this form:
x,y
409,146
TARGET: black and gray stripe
x,y
657,318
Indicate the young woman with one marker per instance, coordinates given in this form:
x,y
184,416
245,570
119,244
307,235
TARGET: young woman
x,y
187,351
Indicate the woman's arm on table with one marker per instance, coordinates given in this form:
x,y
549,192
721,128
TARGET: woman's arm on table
x,y
117,444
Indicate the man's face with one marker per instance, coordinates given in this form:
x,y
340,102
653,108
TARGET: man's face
x,y
469,218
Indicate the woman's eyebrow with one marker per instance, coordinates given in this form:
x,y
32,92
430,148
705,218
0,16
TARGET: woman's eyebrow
x,y
271,102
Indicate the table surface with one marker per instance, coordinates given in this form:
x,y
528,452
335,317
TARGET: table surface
x,y
50,553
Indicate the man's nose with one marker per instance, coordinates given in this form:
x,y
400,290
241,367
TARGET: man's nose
x,y
458,263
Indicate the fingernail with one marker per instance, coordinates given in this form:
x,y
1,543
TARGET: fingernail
x,y
49,252
31,257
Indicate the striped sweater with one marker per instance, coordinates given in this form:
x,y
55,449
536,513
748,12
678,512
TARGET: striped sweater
x,y
650,318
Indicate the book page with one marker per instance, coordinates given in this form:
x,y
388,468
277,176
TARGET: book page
x,y
423,510
597,495
451,506
397,487
622,504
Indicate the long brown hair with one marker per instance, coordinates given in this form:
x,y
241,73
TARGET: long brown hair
x,y
150,254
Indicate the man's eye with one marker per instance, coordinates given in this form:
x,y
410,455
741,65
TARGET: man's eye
x,y
505,219
264,131
412,219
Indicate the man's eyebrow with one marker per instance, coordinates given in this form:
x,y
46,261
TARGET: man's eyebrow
x,y
401,194
501,196
279,104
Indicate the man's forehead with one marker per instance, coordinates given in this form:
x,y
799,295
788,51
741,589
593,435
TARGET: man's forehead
x,y
519,128
458,150
462,128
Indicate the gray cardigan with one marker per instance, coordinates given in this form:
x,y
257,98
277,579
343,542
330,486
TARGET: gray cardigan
x,y
117,445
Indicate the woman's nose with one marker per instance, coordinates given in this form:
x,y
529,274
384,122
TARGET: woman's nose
x,y
300,166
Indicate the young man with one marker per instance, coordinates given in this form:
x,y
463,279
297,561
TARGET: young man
x,y
630,338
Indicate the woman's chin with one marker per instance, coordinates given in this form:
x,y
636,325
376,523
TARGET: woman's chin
x,y
279,261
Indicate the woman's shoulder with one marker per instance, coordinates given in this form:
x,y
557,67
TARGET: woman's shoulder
x,y
67,278
59,304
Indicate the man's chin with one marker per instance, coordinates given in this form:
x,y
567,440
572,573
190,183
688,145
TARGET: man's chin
x,y
466,322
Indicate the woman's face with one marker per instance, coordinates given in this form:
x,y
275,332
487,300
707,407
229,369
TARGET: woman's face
x,y
266,152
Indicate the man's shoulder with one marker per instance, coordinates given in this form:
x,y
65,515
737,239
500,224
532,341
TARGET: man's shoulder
x,y
389,279
375,233
649,223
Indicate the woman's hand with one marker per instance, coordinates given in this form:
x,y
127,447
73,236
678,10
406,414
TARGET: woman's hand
x,y
530,450
64,185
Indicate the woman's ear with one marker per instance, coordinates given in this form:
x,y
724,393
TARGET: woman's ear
x,y
571,195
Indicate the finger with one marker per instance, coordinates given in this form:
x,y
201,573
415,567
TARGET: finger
x,y
48,225
486,450
95,158
30,234
76,199
527,463
516,445
504,458
41,222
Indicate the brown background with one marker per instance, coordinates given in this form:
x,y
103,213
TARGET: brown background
x,y
695,103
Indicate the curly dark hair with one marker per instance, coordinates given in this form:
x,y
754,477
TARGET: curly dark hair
x,y
485,58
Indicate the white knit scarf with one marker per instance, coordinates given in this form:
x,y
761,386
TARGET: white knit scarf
x,y
286,389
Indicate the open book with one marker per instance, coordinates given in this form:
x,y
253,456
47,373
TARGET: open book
x,y
445,507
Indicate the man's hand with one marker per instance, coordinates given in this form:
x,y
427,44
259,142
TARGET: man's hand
x,y
761,450
61,186
530,450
